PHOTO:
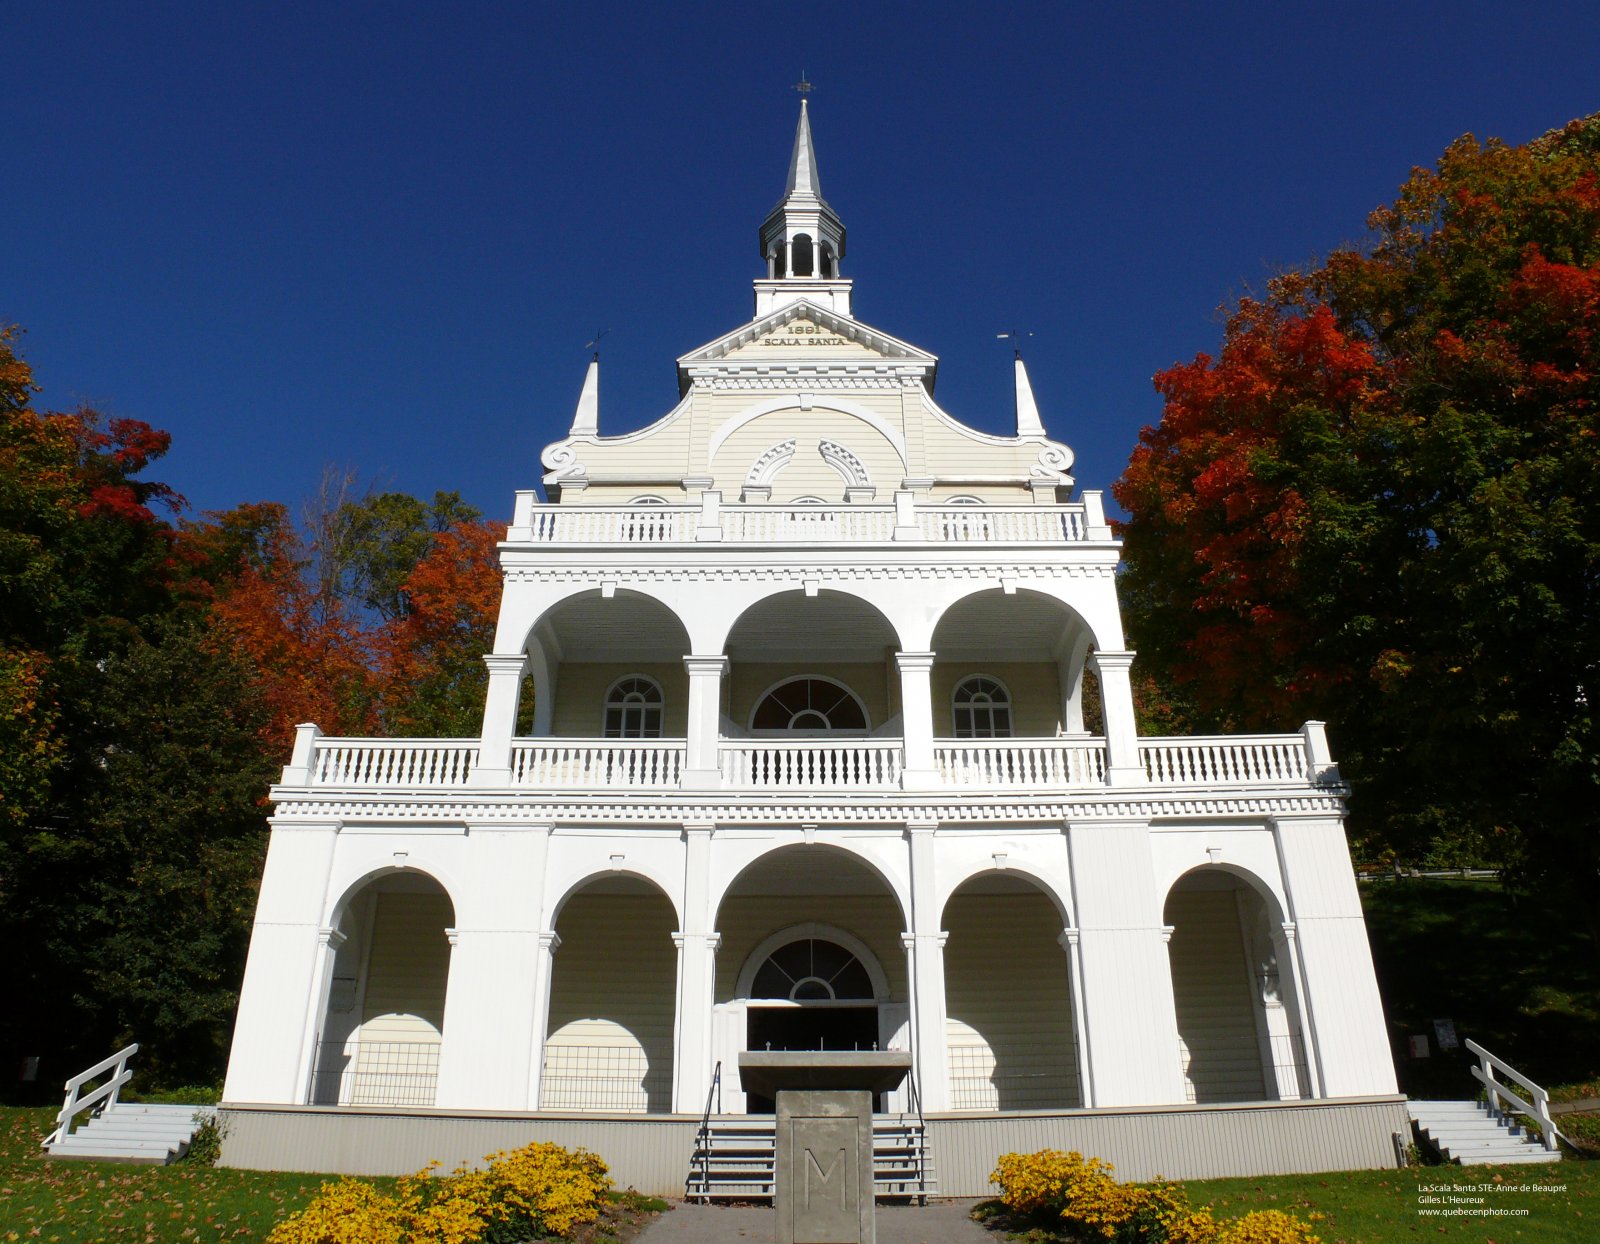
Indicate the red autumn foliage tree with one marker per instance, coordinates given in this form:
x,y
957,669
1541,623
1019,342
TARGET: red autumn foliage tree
x,y
1379,503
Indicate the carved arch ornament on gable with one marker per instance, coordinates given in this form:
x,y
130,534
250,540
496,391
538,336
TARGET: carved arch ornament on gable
x,y
857,483
758,480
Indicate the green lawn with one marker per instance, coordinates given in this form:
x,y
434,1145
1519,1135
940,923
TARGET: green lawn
x,y
90,1202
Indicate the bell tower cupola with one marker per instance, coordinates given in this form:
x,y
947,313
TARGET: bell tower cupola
x,y
802,238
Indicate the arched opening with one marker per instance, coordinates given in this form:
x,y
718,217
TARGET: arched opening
x,y
1010,1037
776,267
586,646
608,1043
1239,1032
810,959
802,249
829,265
1025,646
383,1023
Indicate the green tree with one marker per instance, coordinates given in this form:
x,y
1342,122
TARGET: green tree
x,y
1380,504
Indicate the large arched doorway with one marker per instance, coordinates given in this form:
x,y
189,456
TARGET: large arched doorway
x,y
1239,1031
612,991
383,1023
810,959
1010,1036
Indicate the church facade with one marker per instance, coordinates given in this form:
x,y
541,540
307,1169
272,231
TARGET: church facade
x,y
809,725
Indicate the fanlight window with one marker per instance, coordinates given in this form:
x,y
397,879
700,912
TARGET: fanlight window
x,y
633,709
982,709
809,704
812,970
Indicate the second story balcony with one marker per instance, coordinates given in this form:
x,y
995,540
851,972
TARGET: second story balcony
x,y
819,765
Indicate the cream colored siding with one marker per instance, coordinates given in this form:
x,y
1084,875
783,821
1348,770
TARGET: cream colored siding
x,y
1212,988
407,970
581,688
611,1005
750,681
807,474
1035,689
1008,1005
745,921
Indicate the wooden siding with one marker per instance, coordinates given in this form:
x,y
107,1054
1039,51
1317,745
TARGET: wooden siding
x,y
1008,1005
581,686
1213,992
652,1155
612,994
407,970
1035,688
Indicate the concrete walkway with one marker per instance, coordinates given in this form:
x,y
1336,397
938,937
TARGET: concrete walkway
x,y
943,1222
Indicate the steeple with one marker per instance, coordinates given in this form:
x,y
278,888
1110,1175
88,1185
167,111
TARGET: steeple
x,y
802,238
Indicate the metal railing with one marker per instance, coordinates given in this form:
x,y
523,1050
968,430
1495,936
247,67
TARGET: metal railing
x,y
375,1073
617,1078
104,1097
977,1083
1210,1070
1536,1108
702,1141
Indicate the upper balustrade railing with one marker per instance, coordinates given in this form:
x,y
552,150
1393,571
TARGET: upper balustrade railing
x,y
711,521
814,764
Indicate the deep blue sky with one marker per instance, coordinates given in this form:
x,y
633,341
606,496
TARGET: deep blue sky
x,y
379,235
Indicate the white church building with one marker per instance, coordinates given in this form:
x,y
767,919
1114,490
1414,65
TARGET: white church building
x,y
809,725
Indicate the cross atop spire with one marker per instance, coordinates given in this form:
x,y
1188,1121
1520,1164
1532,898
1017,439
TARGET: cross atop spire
x,y
805,88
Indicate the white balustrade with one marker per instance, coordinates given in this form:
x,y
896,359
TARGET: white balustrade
x,y
1246,760
636,764
807,524
812,764
1011,763
611,524
393,762
801,524
1001,524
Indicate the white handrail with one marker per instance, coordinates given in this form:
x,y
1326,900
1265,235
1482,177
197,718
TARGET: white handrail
x,y
1538,1109
107,1092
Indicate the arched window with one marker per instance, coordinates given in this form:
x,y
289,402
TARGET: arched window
x,y
812,970
829,267
982,709
633,708
810,705
802,254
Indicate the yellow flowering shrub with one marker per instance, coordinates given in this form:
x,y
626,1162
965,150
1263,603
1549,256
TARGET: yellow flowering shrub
x,y
539,1191
1083,1193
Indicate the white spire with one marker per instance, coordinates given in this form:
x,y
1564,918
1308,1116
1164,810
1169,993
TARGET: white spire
x,y
586,419
1028,421
804,180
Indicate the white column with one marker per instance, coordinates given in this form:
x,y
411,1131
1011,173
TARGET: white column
x,y
281,996
701,766
1130,1021
924,944
1122,734
1069,942
697,946
329,939
543,974
1299,1021
499,718
916,719
1346,1039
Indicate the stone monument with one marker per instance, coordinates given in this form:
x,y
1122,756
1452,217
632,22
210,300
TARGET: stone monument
x,y
823,1171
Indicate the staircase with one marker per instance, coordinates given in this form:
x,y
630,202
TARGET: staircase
x,y
132,1132
734,1156
1465,1132
118,1130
